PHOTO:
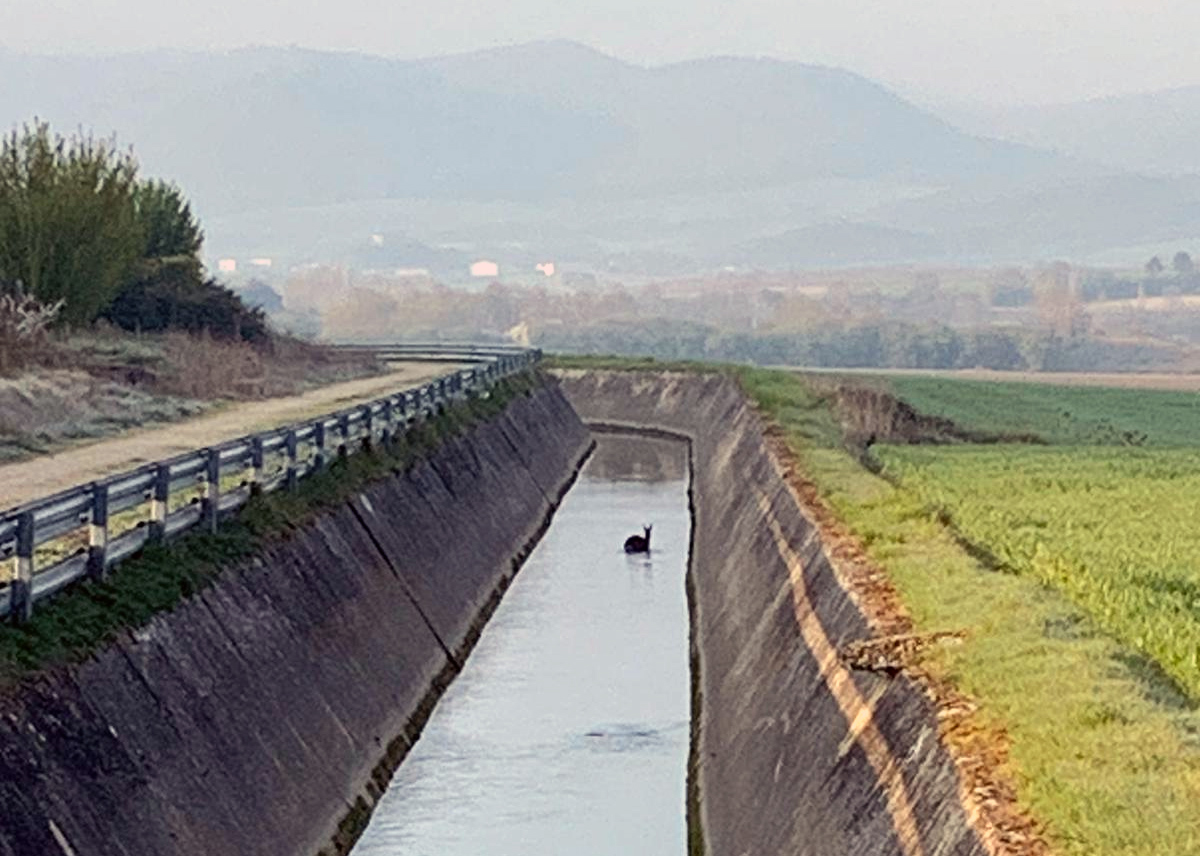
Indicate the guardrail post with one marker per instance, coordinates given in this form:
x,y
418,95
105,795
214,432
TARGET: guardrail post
x,y
97,563
158,504
401,415
343,434
319,445
211,504
368,427
256,466
22,584
389,425
289,446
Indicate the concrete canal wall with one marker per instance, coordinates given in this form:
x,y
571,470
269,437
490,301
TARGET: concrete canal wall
x,y
797,754
252,718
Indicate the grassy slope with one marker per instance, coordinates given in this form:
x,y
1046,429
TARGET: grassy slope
x,y
1105,753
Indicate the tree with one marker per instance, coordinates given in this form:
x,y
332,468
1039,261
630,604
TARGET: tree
x,y
173,294
1155,266
1058,305
258,294
1010,287
166,220
1182,263
68,225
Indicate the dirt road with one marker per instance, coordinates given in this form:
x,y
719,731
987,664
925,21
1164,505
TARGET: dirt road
x,y
1131,380
23,481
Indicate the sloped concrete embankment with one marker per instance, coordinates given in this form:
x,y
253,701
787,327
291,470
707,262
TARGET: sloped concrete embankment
x,y
796,753
249,720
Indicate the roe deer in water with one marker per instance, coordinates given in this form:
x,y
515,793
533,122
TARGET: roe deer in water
x,y
639,543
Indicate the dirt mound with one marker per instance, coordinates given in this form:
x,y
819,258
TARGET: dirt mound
x,y
870,415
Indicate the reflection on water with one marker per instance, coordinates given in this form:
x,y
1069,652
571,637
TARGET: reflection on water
x,y
567,731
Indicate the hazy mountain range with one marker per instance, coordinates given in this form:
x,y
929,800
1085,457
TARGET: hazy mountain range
x,y
1157,132
553,150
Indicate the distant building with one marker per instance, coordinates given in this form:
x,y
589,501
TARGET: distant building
x,y
227,265
483,268
519,334
546,268
261,262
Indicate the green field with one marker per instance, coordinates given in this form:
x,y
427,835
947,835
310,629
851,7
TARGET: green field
x,y
1113,529
1085,652
1074,415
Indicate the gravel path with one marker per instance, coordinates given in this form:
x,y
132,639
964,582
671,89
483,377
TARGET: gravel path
x,y
23,481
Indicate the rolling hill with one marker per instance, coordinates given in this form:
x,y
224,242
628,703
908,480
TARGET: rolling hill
x,y
555,149
264,127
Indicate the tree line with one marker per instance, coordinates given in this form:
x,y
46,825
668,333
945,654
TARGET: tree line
x,y
886,345
81,230
1011,288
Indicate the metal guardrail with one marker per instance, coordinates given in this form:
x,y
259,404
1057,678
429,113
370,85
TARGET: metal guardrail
x,y
81,521
447,352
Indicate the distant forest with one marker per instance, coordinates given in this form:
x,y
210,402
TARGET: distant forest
x,y
867,346
1053,318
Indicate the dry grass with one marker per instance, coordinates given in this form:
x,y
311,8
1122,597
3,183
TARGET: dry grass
x,y
24,330
42,409
205,368
103,381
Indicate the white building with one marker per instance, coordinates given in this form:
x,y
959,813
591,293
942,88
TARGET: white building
x,y
483,268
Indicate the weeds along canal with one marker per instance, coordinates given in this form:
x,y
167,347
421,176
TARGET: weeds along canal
x,y
567,730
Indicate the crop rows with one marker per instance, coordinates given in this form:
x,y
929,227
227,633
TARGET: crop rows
x,y
1114,529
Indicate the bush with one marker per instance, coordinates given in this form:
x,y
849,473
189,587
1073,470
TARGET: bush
x,y
172,294
24,327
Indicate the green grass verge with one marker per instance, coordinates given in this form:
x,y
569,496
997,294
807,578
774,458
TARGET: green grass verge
x,y
1067,415
71,626
619,363
1103,751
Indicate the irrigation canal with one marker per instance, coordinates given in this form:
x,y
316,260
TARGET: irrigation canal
x,y
567,730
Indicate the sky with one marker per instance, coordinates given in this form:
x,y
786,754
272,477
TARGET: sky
x,y
939,51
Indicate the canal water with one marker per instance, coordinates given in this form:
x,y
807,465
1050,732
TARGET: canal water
x,y
567,730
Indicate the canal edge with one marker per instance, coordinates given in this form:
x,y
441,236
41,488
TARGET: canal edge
x,y
358,813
